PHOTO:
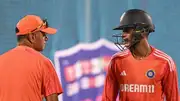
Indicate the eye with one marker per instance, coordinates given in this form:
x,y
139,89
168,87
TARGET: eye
x,y
43,34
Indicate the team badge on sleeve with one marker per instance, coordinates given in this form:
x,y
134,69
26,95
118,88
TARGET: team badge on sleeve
x,y
150,74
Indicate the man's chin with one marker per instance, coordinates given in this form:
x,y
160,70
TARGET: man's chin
x,y
127,45
40,49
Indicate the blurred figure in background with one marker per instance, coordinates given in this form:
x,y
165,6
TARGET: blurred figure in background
x,y
26,74
140,72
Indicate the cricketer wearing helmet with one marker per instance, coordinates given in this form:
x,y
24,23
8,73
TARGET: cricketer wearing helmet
x,y
140,72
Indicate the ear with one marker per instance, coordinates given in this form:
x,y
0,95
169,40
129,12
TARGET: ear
x,y
31,37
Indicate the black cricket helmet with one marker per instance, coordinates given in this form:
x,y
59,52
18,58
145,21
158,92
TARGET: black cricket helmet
x,y
137,19
134,18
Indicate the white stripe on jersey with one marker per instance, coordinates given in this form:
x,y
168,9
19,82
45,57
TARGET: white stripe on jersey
x,y
170,59
166,57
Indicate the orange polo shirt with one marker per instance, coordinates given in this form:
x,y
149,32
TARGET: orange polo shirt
x,y
27,75
153,78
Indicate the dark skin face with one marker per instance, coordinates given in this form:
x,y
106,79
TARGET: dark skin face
x,y
127,37
142,49
36,40
40,41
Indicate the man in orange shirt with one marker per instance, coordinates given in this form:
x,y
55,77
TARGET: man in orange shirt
x,y
140,72
26,74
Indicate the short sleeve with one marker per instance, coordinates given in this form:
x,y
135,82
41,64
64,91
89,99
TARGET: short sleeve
x,y
170,82
50,83
111,87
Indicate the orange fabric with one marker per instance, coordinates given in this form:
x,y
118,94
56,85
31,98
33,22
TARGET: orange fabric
x,y
153,78
32,22
26,75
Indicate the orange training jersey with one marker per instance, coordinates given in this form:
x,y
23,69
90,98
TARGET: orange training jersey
x,y
26,75
153,78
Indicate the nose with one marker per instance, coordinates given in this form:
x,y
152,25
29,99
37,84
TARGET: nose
x,y
124,34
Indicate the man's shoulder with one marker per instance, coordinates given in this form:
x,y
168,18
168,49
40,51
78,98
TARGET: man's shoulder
x,y
40,56
29,52
121,54
165,58
162,55
32,53
7,53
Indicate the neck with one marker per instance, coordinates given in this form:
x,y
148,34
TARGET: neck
x,y
25,43
141,50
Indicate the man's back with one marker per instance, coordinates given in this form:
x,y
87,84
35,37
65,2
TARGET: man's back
x,y
21,75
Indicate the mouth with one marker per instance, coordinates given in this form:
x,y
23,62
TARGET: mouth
x,y
126,42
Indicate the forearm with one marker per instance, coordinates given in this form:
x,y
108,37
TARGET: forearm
x,y
52,97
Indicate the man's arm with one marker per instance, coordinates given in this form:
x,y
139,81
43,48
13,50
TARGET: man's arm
x,y
111,86
170,82
52,97
51,86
